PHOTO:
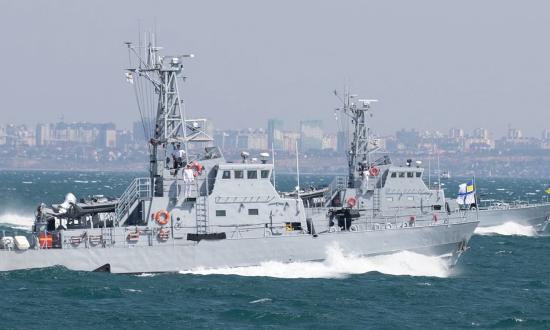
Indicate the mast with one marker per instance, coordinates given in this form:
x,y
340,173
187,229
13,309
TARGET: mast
x,y
162,72
361,145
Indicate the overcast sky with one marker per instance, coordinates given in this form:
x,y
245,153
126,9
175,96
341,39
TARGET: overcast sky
x,y
432,64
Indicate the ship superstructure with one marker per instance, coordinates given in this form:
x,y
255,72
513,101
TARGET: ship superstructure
x,y
195,209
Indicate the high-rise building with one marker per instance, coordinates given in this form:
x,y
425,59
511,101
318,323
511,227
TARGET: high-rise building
x,y
43,134
481,133
456,133
311,135
275,133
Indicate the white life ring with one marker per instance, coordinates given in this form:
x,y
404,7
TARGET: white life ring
x,y
353,228
376,226
389,226
332,229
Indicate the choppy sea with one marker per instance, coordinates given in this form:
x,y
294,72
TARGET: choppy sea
x,y
502,281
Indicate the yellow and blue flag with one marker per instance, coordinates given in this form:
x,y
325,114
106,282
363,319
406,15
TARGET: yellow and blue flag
x,y
470,188
548,190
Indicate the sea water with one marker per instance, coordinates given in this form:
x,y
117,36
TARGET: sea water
x,y
502,281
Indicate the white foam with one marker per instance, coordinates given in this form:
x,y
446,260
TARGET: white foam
x,y
508,228
17,221
338,265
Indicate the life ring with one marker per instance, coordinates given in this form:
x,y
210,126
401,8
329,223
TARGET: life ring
x,y
404,225
374,171
353,228
332,229
389,226
162,217
376,226
351,202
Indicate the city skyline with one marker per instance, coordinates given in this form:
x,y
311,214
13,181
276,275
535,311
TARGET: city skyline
x,y
425,61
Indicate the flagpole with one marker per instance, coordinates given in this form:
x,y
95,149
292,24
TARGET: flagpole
x,y
475,196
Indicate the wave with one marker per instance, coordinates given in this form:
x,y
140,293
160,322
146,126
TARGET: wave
x,y
338,265
17,221
508,229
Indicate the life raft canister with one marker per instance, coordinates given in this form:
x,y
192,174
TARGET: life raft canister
x,y
45,240
374,171
162,217
352,201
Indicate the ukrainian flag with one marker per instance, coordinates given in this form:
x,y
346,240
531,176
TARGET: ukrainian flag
x,y
548,190
470,187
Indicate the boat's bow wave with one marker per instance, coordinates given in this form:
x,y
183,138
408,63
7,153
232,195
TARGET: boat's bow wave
x,y
17,221
339,265
508,229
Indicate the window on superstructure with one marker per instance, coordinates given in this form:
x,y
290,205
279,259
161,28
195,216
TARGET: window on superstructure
x,y
220,213
401,174
253,212
418,174
226,175
252,174
394,174
265,174
239,174
410,175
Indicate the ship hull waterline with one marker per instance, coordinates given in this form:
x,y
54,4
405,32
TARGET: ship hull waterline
x,y
439,240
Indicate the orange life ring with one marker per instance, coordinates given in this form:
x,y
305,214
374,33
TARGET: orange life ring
x,y
352,201
162,217
374,171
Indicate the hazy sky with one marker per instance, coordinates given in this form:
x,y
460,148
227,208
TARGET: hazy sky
x,y
432,64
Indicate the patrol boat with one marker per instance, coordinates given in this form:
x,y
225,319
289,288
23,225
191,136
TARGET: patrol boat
x,y
195,209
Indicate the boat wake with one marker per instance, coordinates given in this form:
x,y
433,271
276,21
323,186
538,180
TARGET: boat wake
x,y
508,229
338,265
17,221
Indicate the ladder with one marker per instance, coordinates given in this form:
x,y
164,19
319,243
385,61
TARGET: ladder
x,y
376,202
201,213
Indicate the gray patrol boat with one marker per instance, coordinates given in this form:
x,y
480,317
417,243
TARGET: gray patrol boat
x,y
198,210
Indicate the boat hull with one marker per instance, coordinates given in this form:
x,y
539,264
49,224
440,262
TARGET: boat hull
x,y
536,216
438,240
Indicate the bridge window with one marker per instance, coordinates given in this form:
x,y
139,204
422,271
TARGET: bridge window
x,y
410,175
401,174
253,212
418,174
252,174
220,213
239,174
265,174
394,174
226,175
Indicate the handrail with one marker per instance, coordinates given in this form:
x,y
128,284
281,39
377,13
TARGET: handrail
x,y
139,188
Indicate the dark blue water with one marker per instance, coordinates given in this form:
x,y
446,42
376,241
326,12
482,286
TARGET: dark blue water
x,y
501,282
